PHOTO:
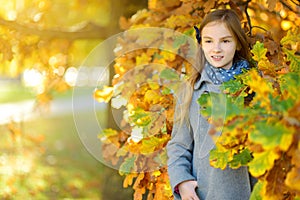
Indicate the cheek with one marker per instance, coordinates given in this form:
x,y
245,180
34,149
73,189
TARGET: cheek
x,y
206,48
206,52
232,49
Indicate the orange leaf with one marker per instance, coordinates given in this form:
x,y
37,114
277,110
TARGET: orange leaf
x,y
208,5
271,4
138,194
138,180
129,179
293,179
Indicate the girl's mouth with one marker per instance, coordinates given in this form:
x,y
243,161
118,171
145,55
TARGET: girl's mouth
x,y
217,58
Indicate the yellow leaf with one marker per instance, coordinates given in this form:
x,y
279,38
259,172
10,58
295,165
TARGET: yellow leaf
x,y
153,85
143,59
267,67
156,173
179,21
168,55
104,95
152,96
162,4
262,88
151,144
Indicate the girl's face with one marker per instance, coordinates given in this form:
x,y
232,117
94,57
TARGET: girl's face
x,y
218,44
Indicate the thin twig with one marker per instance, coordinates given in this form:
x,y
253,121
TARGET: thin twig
x,y
288,6
248,17
259,27
297,4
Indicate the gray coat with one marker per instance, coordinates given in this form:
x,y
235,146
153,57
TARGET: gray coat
x,y
188,156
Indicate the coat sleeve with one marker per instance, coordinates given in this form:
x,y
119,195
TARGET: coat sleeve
x,y
180,152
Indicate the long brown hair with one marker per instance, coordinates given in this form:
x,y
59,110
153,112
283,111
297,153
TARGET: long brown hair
x,y
232,22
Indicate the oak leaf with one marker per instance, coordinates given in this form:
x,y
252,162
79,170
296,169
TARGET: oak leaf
x,y
259,52
262,162
272,135
274,187
129,179
128,165
219,159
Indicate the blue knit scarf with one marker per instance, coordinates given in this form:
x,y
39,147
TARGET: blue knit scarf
x,y
220,75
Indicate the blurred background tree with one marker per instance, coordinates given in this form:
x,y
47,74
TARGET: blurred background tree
x,y
50,36
41,42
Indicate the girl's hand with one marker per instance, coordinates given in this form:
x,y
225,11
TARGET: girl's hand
x,y
187,190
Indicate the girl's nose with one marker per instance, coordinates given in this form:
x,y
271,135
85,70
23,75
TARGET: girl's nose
x,y
217,47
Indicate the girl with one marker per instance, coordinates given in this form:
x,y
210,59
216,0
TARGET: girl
x,y
223,53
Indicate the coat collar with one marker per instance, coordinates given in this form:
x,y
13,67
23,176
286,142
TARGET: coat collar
x,y
204,78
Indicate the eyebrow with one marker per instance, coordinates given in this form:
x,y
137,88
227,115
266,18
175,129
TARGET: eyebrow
x,y
225,37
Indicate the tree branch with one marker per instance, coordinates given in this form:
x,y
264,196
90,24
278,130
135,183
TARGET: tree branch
x,y
89,31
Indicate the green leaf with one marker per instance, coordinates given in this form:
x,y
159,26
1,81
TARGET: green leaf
x,y
290,84
157,56
262,162
189,32
255,195
122,151
141,117
219,106
219,159
294,60
233,86
241,159
279,105
272,135
127,165
259,52
205,104
180,40
162,158
169,74
291,38
166,91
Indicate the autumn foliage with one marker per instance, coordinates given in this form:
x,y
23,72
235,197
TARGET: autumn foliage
x,y
261,132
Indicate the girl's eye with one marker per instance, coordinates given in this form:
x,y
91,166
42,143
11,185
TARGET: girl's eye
x,y
226,41
207,41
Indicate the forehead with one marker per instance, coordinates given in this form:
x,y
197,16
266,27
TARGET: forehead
x,y
216,30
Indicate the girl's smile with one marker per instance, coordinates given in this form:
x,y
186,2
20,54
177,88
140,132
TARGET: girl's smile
x,y
218,44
